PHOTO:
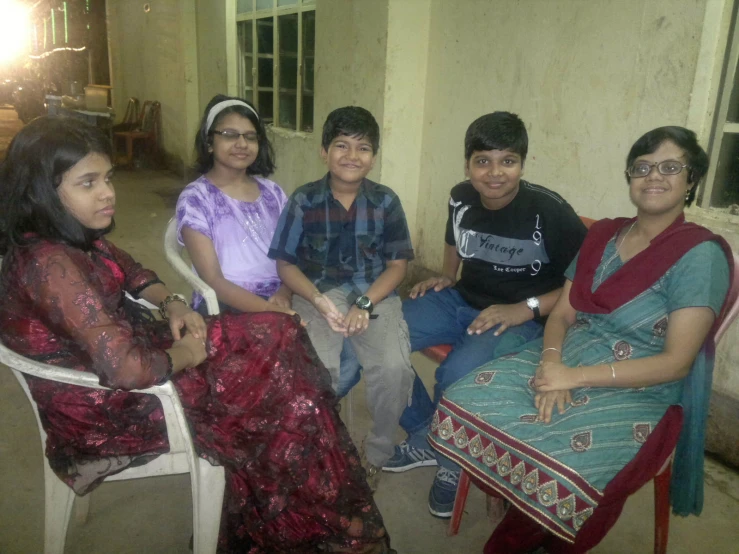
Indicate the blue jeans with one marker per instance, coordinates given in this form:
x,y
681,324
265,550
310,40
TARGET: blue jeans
x,y
442,318
350,371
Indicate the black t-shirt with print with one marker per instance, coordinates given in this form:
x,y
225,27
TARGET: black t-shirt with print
x,y
514,253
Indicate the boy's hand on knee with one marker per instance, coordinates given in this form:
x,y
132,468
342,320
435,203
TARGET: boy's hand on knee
x,y
330,312
356,321
503,315
436,283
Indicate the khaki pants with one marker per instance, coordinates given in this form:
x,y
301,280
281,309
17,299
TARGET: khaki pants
x,y
383,351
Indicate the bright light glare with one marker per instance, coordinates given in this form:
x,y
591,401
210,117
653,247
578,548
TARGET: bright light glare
x,y
13,30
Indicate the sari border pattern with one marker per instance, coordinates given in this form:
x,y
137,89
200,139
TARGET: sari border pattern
x,y
538,485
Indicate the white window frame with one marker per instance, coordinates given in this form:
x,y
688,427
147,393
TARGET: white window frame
x,y
274,12
723,127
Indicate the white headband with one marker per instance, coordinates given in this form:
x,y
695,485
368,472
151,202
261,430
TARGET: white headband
x,y
218,108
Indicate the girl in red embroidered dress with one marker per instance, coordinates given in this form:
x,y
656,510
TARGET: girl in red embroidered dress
x,y
257,397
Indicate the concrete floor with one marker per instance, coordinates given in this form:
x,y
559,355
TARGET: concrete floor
x,y
153,516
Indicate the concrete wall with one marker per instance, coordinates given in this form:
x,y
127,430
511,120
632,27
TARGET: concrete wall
x,y
154,57
211,50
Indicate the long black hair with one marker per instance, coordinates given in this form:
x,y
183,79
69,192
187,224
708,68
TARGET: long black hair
x,y
264,165
36,161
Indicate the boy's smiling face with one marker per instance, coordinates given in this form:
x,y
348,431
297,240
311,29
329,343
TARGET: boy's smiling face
x,y
349,159
495,174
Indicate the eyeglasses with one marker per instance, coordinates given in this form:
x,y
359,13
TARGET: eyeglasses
x,y
232,136
667,167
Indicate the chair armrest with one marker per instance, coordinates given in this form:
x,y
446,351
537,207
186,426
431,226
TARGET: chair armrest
x,y
172,251
69,376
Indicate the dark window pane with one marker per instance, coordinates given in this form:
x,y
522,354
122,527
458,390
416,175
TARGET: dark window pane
x,y
308,62
265,36
309,33
726,184
733,114
265,72
288,34
265,106
307,114
288,110
246,45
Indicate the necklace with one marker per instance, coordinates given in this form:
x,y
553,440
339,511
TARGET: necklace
x,y
604,265
626,234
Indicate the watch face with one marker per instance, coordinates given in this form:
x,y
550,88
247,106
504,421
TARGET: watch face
x,y
364,303
532,302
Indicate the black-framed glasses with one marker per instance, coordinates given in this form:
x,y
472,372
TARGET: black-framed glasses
x,y
667,167
233,136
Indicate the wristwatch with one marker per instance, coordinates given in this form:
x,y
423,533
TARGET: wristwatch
x,y
364,303
533,304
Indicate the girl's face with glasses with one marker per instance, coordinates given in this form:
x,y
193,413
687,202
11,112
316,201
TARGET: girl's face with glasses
x,y
655,193
235,144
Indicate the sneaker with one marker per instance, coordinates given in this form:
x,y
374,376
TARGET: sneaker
x,y
406,457
443,492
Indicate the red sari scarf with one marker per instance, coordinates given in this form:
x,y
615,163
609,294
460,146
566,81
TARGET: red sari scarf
x,y
641,271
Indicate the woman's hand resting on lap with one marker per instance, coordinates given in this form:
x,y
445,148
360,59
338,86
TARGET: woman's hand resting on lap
x,y
182,317
555,376
546,401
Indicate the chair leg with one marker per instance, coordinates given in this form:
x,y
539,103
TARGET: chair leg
x,y
81,509
662,510
58,500
459,501
129,151
208,485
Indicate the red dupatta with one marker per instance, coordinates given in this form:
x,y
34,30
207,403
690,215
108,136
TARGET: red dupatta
x,y
637,274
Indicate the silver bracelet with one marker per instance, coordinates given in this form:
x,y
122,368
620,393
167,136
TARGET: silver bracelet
x,y
550,348
613,371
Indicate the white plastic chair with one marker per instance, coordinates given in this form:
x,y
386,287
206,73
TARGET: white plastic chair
x,y
207,481
173,252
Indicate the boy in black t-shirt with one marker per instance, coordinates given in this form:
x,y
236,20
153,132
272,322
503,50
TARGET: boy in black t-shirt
x,y
514,241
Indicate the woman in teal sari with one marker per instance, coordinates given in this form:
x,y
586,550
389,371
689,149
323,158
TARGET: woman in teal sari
x,y
560,429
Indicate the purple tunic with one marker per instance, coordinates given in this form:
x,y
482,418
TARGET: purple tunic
x,y
241,232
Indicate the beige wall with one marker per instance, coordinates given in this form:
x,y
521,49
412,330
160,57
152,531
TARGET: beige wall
x,y
211,45
153,57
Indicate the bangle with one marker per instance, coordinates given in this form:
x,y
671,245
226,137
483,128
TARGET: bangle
x,y
167,301
613,372
550,348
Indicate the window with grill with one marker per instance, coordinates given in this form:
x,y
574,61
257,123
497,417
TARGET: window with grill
x,y
722,184
276,62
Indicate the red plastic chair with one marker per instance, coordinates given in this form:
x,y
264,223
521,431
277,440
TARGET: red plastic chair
x,y
661,479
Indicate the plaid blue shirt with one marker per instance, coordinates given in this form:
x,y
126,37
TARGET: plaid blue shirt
x,y
335,247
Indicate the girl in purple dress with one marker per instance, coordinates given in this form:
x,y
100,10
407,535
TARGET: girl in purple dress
x,y
226,218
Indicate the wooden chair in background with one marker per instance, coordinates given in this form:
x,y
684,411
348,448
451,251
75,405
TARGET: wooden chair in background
x,y
147,130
